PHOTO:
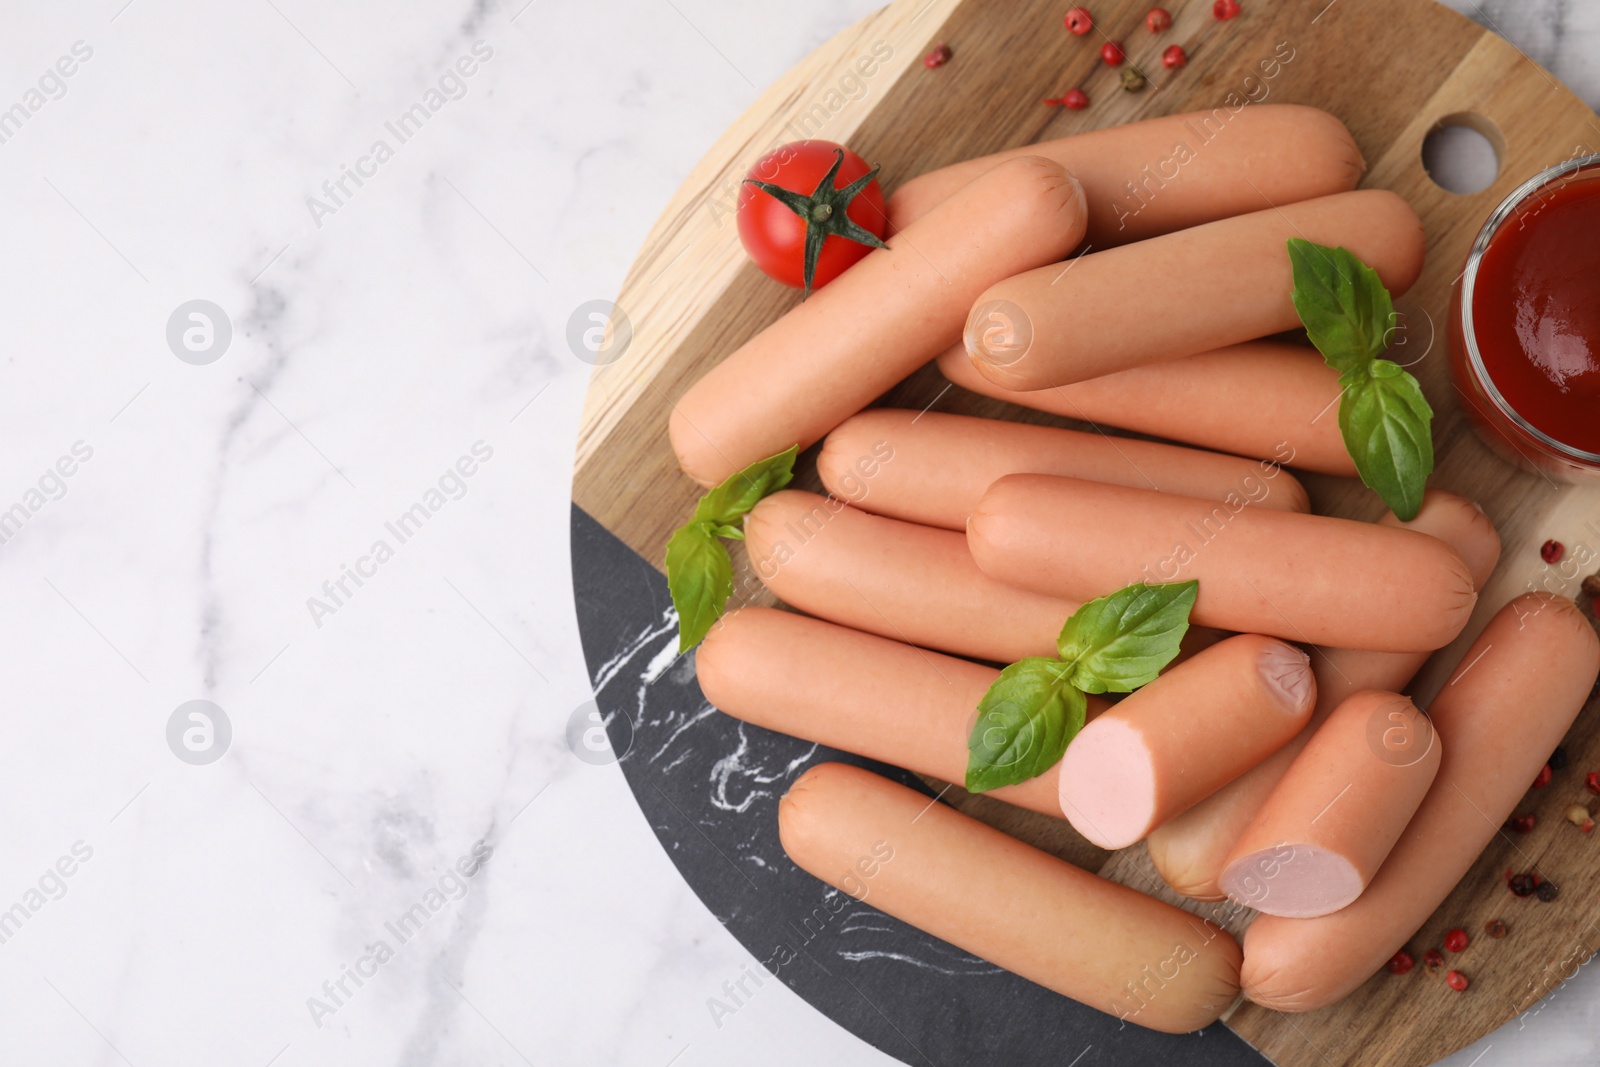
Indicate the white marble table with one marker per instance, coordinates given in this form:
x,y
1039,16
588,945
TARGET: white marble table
x,y
397,374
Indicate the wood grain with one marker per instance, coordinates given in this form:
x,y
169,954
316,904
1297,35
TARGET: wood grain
x,y
1392,71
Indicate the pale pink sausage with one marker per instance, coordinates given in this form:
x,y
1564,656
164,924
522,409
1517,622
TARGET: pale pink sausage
x,y
1186,734
1306,578
1322,834
916,584
912,583
1103,944
1291,394
1176,171
1188,292
1505,709
931,468
869,695
832,355
1190,850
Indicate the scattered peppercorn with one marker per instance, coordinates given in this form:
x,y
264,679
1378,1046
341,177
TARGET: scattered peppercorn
x,y
1133,79
1401,963
1552,551
1547,891
1075,99
938,57
1174,57
1578,815
1225,9
1112,53
1545,774
1593,782
1522,885
1456,940
1158,20
1523,824
1433,961
1457,981
1079,21
1495,928
1558,759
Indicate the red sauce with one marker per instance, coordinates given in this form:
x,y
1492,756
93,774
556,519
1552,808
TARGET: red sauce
x,y
1536,312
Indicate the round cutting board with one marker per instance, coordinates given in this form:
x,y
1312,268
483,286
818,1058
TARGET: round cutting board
x,y
1393,70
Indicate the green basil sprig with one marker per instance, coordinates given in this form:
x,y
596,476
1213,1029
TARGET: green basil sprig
x,y
1037,706
1386,421
699,572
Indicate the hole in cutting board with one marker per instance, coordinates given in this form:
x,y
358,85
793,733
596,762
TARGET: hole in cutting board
x,y
1462,153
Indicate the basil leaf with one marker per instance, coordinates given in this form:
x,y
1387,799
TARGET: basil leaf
x,y
1025,722
1342,304
699,571
1386,421
700,577
730,502
1122,641
1388,427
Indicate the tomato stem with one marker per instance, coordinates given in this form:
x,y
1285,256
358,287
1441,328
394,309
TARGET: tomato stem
x,y
826,212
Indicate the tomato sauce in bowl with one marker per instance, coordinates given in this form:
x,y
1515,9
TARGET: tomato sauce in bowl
x,y
1526,338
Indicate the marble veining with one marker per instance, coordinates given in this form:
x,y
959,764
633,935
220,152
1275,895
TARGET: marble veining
x,y
711,795
212,907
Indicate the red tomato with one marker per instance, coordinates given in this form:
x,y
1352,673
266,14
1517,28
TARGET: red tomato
x,y
775,236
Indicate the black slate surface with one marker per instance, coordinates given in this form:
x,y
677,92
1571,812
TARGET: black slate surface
x,y
709,786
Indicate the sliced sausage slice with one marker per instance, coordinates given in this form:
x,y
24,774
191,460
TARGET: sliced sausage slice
x,y
1177,171
1306,578
832,355
1220,284
1183,736
1291,394
1505,709
931,468
1103,944
1321,836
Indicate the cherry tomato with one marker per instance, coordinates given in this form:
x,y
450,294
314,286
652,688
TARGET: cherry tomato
x,y
774,235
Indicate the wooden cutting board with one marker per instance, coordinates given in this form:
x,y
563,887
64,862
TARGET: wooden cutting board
x,y
1392,70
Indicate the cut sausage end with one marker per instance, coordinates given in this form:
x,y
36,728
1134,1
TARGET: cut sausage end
x,y
1108,784
1296,881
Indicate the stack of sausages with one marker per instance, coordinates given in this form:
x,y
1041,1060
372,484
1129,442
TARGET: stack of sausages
x,y
1275,762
